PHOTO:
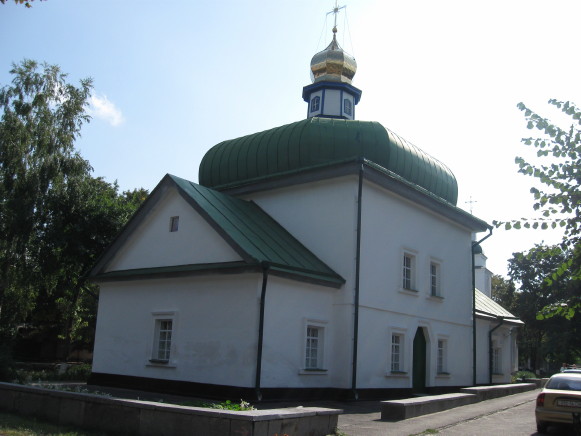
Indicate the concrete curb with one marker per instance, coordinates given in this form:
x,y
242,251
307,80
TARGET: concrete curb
x,y
412,407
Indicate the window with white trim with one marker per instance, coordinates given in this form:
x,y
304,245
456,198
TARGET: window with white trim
x,y
396,352
442,363
162,340
435,279
409,271
496,358
314,347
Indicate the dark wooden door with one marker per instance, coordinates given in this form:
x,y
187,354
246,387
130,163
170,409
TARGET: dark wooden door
x,y
419,362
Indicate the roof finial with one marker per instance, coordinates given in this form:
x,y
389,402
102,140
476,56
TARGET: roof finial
x,y
335,11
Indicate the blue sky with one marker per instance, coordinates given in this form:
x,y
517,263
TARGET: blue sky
x,y
174,78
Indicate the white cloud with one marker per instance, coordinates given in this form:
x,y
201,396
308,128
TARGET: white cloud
x,y
101,107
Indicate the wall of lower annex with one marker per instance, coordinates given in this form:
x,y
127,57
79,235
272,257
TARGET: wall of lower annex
x,y
214,337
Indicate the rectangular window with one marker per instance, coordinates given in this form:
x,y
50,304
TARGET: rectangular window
x,y
435,279
314,347
442,352
315,103
174,222
496,359
162,342
347,106
408,273
396,353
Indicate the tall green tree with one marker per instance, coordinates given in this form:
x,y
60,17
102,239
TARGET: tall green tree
x,y
553,340
558,194
55,218
84,220
42,116
504,293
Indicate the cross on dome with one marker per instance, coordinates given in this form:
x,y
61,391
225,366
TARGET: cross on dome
x,y
331,94
335,11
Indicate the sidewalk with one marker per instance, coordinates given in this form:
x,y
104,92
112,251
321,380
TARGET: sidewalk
x,y
364,418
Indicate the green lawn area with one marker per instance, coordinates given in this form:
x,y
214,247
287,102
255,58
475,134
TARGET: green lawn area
x,y
16,425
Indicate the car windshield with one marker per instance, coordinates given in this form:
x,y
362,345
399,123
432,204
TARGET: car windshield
x,y
565,383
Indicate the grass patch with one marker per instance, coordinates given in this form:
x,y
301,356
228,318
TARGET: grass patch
x,y
521,375
16,425
224,405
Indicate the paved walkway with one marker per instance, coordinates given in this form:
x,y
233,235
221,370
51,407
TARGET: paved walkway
x,y
363,419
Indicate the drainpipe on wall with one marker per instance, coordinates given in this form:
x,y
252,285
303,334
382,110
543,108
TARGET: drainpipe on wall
x,y
356,297
474,245
490,356
265,266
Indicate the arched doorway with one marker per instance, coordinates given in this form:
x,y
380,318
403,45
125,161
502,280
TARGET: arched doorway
x,y
419,362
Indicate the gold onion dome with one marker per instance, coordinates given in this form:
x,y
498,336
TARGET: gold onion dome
x,y
333,64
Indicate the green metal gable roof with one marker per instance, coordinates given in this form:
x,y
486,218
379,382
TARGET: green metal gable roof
x,y
255,235
488,307
320,142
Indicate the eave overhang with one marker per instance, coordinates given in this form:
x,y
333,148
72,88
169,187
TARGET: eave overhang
x,y
253,234
176,271
373,173
314,87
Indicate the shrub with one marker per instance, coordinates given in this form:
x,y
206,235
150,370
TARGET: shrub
x,y
521,375
7,372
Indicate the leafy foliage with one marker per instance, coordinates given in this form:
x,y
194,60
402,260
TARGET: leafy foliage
x,y
553,340
560,198
223,405
42,116
55,218
21,2
522,375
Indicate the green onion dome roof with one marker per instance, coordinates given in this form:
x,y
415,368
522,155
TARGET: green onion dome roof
x,y
318,142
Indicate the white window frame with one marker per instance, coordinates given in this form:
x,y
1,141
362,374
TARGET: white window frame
x,y
435,281
159,336
408,271
397,367
496,357
311,325
442,356
397,345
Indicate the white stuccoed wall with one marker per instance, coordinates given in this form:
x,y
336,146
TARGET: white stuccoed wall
x,y
215,328
153,245
323,216
216,317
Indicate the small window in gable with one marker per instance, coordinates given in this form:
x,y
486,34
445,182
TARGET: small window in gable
x,y
174,222
315,103
347,107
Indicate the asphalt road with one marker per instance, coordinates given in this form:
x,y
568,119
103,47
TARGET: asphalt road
x,y
512,415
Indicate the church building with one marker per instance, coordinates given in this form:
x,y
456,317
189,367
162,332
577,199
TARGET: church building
x,y
325,258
